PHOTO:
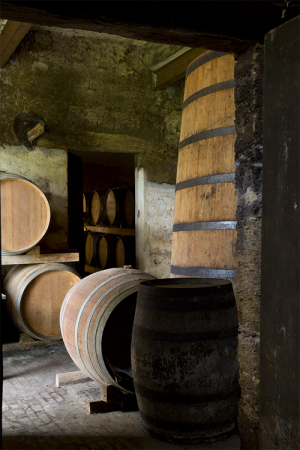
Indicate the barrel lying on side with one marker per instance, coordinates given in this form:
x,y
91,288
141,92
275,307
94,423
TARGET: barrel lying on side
x,y
125,251
184,359
25,214
96,324
119,207
34,295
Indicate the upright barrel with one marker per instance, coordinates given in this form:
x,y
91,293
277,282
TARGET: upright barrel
x,y
96,323
184,359
34,295
25,214
204,230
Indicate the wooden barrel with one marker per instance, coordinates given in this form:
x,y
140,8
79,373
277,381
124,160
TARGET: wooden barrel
x,y
97,205
34,295
106,253
119,207
85,202
204,229
91,248
25,214
128,208
184,359
125,251
96,322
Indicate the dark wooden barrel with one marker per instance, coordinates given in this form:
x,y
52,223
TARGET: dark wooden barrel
x,y
204,231
125,251
96,322
128,208
119,207
25,214
86,207
184,359
97,205
34,295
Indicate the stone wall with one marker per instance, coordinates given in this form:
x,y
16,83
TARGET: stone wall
x,y
95,93
248,161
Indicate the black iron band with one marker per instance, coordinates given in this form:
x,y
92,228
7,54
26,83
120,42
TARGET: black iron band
x,y
186,427
204,59
166,336
208,90
211,179
196,226
176,397
206,135
201,272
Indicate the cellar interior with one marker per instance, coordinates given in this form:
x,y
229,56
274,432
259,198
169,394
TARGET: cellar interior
x,y
113,102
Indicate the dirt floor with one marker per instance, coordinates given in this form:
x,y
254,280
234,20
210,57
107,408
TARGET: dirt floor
x,y
38,415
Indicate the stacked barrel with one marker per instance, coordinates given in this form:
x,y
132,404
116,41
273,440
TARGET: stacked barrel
x,y
112,209
109,208
34,292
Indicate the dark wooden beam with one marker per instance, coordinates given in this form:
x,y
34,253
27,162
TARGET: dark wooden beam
x,y
229,26
175,70
10,37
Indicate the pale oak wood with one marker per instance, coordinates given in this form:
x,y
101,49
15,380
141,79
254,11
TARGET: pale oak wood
x,y
108,230
39,259
63,379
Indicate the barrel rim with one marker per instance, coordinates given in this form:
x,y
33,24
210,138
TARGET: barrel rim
x,y
157,286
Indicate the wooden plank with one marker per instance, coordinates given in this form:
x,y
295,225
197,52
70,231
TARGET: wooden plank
x,y
71,378
40,259
107,230
175,70
36,131
11,36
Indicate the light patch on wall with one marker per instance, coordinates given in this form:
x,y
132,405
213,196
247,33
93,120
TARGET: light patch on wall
x,y
251,197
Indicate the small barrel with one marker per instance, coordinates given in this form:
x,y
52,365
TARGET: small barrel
x,y
34,295
96,323
25,214
119,207
106,253
125,251
184,359
96,209
128,208
91,248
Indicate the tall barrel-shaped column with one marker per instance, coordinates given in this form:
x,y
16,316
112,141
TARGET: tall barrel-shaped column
x,y
205,204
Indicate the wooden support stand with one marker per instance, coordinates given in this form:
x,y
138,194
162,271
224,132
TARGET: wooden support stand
x,y
71,378
35,257
112,399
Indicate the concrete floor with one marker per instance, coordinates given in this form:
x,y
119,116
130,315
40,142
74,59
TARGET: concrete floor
x,y
38,415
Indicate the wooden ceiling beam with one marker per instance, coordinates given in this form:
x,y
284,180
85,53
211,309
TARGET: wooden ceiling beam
x,y
175,70
10,37
229,26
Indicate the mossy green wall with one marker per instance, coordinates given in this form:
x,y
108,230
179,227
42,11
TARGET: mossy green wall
x,y
94,85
